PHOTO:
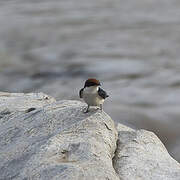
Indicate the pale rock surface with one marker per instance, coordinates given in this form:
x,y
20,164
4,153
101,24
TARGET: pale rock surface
x,y
41,139
20,101
55,140
140,155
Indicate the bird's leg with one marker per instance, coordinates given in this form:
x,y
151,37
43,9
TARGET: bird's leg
x,y
87,110
101,107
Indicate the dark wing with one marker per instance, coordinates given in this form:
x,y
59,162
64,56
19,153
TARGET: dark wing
x,y
81,93
102,93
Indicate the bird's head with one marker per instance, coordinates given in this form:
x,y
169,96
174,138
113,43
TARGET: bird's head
x,y
92,82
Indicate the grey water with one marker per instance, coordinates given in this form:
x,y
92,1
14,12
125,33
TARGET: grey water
x,y
131,46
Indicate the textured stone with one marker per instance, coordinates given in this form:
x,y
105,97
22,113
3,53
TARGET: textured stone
x,y
54,141
21,102
44,139
140,155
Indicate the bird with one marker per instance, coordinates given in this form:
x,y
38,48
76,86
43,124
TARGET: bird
x,y
92,94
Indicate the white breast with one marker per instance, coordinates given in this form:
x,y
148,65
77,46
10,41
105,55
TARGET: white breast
x,y
91,97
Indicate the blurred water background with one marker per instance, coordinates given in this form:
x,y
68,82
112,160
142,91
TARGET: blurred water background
x,y
132,46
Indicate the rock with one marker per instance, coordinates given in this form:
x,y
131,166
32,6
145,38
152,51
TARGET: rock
x,y
140,155
21,102
44,139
